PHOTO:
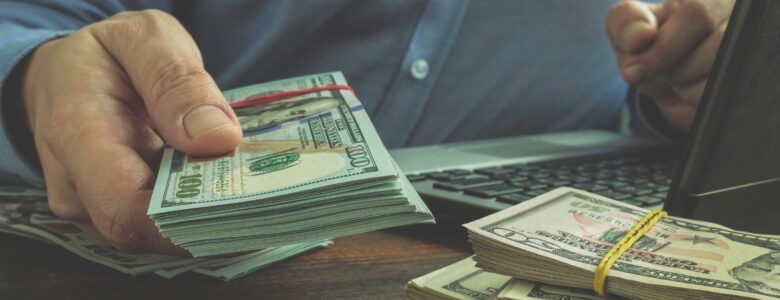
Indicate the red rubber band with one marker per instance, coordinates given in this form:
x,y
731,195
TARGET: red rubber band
x,y
287,94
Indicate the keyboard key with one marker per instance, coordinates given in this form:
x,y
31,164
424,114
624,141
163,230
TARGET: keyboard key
x,y
446,177
431,174
633,190
528,185
648,185
622,178
616,184
559,183
415,177
590,187
551,181
540,175
492,171
513,198
459,185
490,191
505,176
518,179
662,189
614,195
648,200
460,172
534,193
580,179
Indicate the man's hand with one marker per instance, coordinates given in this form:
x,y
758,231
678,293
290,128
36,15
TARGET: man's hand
x,y
667,50
101,101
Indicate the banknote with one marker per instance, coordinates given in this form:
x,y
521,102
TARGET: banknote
x,y
461,280
21,216
35,218
21,193
561,236
464,280
310,167
519,289
230,269
317,140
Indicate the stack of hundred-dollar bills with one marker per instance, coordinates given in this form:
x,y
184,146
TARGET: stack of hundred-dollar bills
x,y
560,237
25,212
311,167
464,281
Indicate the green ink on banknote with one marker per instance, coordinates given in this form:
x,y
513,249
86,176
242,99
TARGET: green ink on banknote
x,y
644,242
273,162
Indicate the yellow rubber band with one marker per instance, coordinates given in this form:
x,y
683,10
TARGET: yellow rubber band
x,y
632,236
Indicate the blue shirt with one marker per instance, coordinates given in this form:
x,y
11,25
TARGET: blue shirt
x,y
427,71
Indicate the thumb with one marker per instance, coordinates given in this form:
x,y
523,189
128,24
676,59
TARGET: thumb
x,y
166,69
632,25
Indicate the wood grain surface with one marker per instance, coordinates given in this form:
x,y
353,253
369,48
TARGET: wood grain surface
x,y
373,265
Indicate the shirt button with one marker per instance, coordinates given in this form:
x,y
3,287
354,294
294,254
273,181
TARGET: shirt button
x,y
420,68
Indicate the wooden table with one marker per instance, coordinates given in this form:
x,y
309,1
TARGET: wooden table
x,y
373,265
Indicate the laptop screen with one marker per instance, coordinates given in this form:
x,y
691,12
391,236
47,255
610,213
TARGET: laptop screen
x,y
734,145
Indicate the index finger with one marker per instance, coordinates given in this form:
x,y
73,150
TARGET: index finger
x,y
688,24
632,25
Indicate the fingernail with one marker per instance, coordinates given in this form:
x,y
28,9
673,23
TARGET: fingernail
x,y
630,34
633,74
205,119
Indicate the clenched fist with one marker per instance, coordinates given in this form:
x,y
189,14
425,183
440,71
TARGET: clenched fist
x,y
100,103
667,50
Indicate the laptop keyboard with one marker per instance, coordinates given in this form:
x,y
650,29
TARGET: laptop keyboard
x,y
641,180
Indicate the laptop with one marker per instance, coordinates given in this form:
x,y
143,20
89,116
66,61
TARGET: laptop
x,y
727,171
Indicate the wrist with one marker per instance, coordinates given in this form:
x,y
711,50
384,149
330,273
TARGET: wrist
x,y
652,114
27,84
16,116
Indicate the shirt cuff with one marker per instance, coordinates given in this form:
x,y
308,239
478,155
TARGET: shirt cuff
x,y
647,119
17,43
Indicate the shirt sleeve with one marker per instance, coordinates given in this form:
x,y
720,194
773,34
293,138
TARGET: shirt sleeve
x,y
645,119
24,25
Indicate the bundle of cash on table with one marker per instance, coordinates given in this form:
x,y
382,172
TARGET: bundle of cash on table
x,y
25,212
311,167
560,237
463,280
